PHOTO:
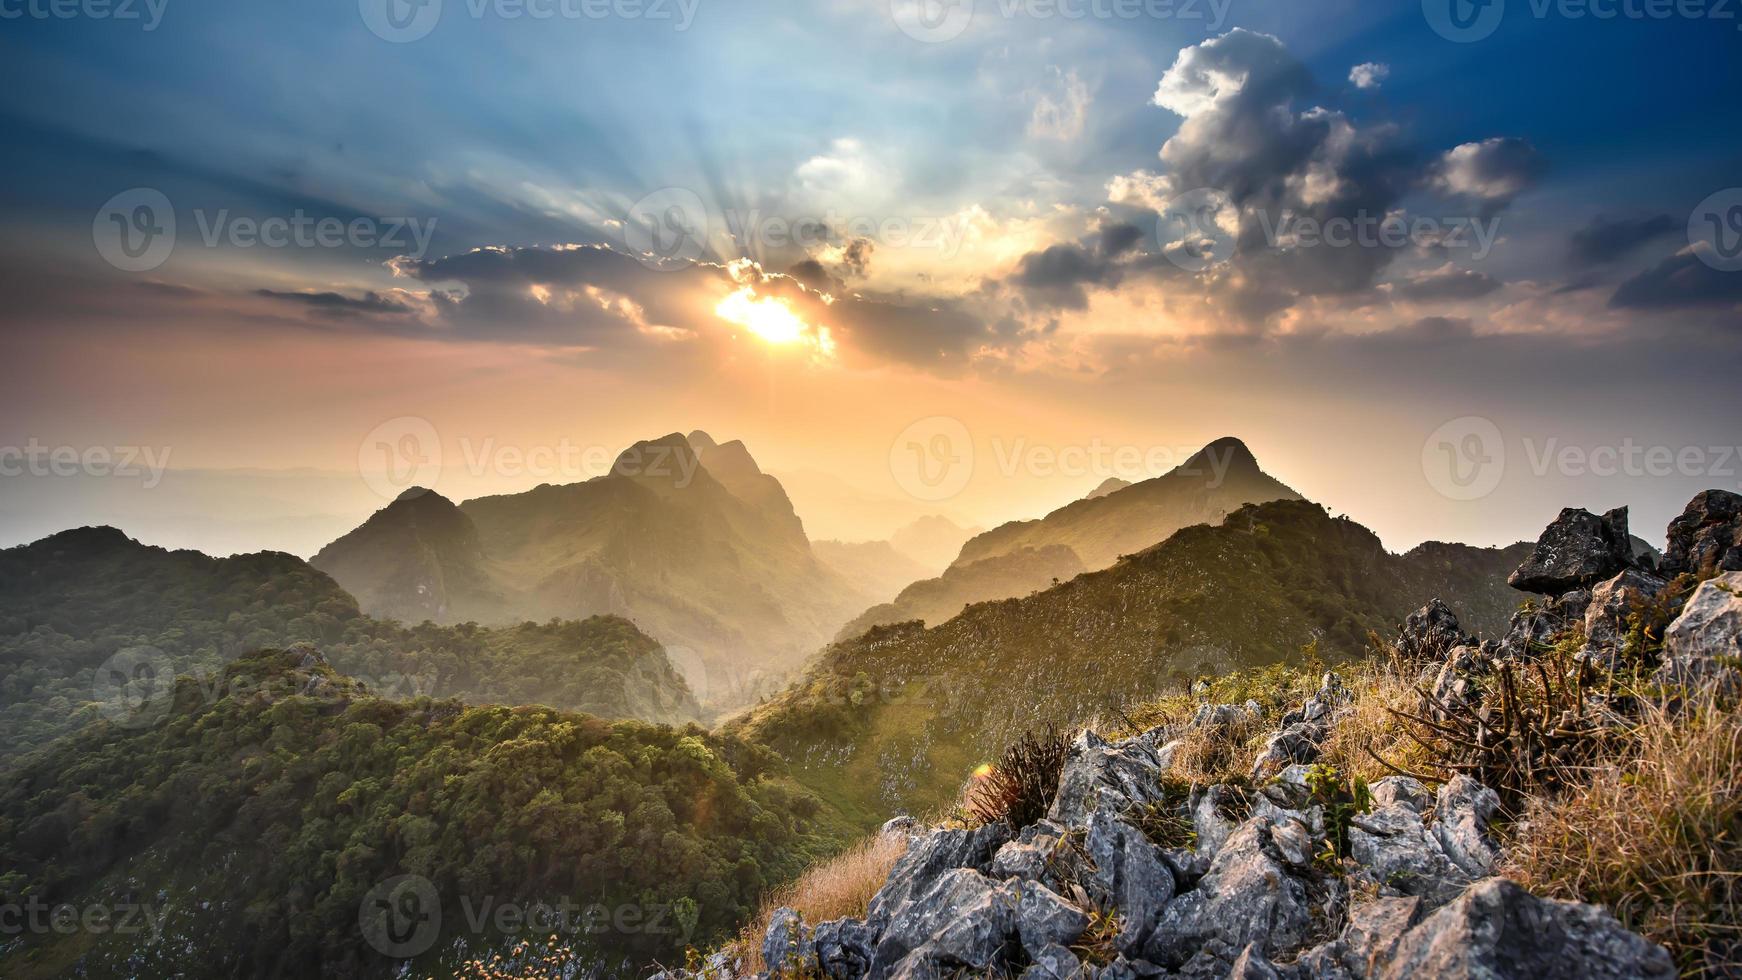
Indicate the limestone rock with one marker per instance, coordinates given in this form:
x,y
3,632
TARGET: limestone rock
x,y
1578,550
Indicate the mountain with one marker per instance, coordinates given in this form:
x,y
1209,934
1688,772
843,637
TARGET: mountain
x,y
1214,482
279,820
693,542
933,540
1107,486
892,720
1117,518
934,600
835,509
875,567
79,605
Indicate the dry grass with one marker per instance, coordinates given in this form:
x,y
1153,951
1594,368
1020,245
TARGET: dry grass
x,y
1369,726
840,886
1221,753
1656,837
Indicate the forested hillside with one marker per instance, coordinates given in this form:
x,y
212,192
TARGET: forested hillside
x,y
72,602
254,818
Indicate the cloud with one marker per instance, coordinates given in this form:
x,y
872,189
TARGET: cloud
x,y
1683,280
338,304
1605,240
1369,74
1056,277
1061,115
1142,189
1448,282
1490,173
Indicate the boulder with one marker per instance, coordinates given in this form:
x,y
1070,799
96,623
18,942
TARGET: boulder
x,y
1054,963
1704,644
902,826
844,948
929,857
1374,930
1498,930
1247,898
1096,773
786,947
1612,602
1128,878
1430,633
1395,850
1578,550
1044,918
965,920
1707,537
1463,810
1401,790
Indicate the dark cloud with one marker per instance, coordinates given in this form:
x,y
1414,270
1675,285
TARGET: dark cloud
x,y
1605,240
338,304
1448,283
1681,281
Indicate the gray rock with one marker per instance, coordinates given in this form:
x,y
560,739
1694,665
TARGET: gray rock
x,y
1498,930
1044,918
1578,550
902,826
1463,810
1251,965
844,948
1430,633
1703,647
1128,877
1248,897
1375,928
1298,743
1054,963
1612,602
1025,862
1394,849
1707,536
1403,790
786,947
964,920
1096,773
929,857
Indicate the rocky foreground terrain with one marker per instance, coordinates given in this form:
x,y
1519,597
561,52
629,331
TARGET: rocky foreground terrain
x,y
1298,871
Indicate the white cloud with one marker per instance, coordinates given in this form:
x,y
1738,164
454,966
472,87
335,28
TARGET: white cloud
x,y
1369,74
1061,118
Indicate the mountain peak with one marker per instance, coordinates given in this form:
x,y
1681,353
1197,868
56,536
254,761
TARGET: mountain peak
x,y
415,493
701,442
1226,454
1111,484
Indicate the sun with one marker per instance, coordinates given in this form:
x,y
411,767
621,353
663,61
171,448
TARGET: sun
x,y
771,320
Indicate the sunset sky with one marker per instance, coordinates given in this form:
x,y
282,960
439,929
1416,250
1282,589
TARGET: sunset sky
x,y
1049,248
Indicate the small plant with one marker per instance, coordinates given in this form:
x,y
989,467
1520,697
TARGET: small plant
x,y
1343,799
1095,946
1020,787
1167,823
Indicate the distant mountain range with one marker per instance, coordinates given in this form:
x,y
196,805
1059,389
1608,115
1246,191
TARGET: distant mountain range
x,y
892,720
1116,518
684,536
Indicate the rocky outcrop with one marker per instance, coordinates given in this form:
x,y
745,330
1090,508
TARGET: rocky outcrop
x,y
1090,893
1578,550
1704,644
1707,537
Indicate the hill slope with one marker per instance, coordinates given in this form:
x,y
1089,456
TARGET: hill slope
x,y
892,720
258,818
934,600
72,602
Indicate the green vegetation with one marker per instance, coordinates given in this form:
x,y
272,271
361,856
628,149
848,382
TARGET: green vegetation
x,y
260,811
894,720
70,602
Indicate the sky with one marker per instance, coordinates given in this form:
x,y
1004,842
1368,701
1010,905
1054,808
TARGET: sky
x,y
1444,268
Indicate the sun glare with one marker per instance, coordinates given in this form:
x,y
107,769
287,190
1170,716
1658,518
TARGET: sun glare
x,y
769,318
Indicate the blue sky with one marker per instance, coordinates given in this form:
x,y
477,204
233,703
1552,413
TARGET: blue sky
x,y
999,222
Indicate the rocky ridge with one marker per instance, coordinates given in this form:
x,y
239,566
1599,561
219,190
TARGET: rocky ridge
x,y
1294,874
